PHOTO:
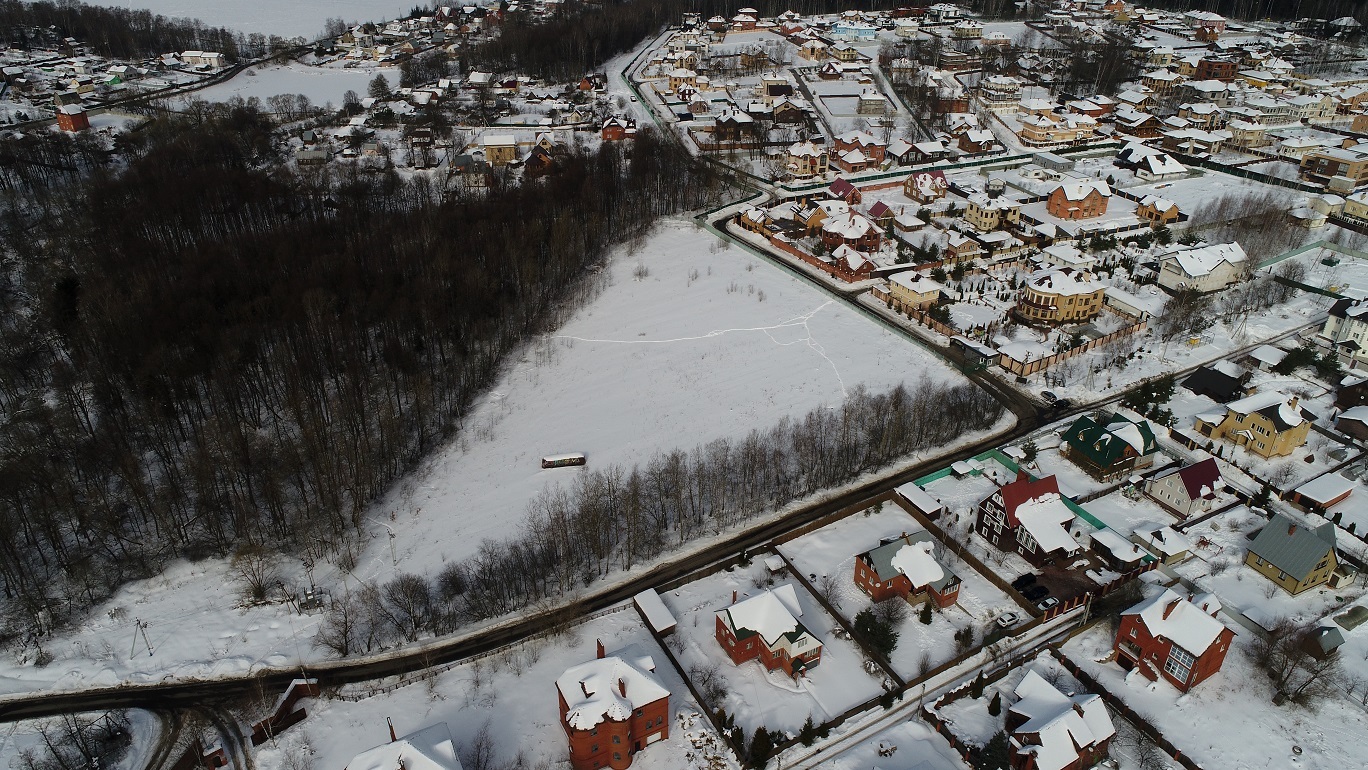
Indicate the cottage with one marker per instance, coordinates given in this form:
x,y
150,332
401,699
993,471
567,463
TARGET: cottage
x,y
616,129
806,159
1353,422
926,186
766,626
1159,212
1167,543
1053,731
1268,424
430,748
850,229
1292,555
72,117
1186,491
500,149
1079,200
1203,268
1169,637
1111,449
1346,327
1029,517
611,708
907,567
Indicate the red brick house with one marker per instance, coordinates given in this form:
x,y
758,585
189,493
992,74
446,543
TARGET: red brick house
x,y
1028,517
1079,200
616,129
907,567
1170,637
1053,731
850,265
843,189
872,148
72,117
611,708
850,229
766,627
1223,70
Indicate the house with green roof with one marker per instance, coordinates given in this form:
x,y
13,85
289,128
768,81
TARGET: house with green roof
x,y
1111,448
1293,555
766,626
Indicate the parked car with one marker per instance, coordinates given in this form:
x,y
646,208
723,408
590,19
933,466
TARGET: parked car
x,y
1049,602
1007,619
1035,592
1024,580
1049,396
1064,403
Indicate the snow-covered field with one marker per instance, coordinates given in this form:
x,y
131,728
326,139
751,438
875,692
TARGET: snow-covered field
x,y
753,695
321,84
293,18
914,745
1229,721
831,550
513,692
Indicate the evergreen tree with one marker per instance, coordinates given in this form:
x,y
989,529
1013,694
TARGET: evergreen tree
x,y
379,87
809,732
976,689
761,745
926,613
996,755
995,705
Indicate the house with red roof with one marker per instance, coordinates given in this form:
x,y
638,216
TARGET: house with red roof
x,y
1028,517
1186,491
1171,638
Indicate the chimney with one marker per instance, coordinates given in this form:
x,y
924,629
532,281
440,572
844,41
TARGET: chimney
x,y
622,687
1291,530
733,597
1292,402
1170,608
390,722
601,652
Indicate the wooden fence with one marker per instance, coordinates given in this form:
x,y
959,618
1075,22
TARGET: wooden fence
x,y
1024,368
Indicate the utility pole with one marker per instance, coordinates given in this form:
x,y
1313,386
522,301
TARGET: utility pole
x,y
139,627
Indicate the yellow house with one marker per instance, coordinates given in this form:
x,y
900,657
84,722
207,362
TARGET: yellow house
x,y
500,149
913,290
1292,555
987,213
1060,295
1267,424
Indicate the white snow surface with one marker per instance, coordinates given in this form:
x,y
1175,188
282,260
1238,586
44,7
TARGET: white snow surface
x,y
918,563
608,688
321,84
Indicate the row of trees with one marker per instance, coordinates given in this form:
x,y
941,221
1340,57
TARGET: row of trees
x,y
616,517
202,348
123,33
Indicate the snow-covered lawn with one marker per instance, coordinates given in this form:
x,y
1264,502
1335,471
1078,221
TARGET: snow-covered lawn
x,y
1229,721
915,747
322,85
1218,566
1127,510
831,551
271,17
968,718
757,697
513,692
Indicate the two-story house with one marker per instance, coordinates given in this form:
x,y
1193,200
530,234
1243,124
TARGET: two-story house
x,y
1203,268
611,708
1029,517
1059,295
1113,448
907,567
1052,731
1186,491
1292,555
1347,328
1171,638
766,627
1268,424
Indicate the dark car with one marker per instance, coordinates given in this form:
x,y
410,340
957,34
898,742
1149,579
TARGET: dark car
x,y
1063,403
1049,396
1035,592
1024,580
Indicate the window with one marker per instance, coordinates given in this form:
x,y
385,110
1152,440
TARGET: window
x,y
617,756
593,749
1134,632
594,731
1179,664
640,712
617,739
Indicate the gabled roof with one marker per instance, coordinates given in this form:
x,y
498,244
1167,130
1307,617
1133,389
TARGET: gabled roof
x,y
1105,445
1279,409
1172,617
1023,489
772,615
1292,547
911,555
1200,479
1201,260
1062,724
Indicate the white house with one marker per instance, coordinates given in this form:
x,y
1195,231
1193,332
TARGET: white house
x,y
1186,491
1347,328
1203,268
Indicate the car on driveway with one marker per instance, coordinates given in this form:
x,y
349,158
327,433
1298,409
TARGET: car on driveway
x,y
1035,593
1049,396
1049,602
1007,619
1023,580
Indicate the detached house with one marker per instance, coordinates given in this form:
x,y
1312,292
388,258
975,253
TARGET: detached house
x,y
1347,327
1292,555
1028,517
1053,731
611,708
1169,637
1111,449
1203,268
1267,424
1186,491
1079,200
1060,295
766,626
907,567
430,748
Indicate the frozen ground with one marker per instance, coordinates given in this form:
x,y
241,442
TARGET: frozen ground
x,y
321,84
756,696
295,18
831,550
915,746
512,691
1229,721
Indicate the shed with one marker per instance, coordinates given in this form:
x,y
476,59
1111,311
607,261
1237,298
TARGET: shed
x,y
917,497
654,611
1119,553
1322,492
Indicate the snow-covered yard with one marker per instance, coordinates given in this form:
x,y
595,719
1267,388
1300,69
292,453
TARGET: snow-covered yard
x,y
913,745
513,692
1229,721
831,551
753,695
322,85
303,18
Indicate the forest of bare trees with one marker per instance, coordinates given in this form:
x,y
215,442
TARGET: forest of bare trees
x,y
201,349
615,517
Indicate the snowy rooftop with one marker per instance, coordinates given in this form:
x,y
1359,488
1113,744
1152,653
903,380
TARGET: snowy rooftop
x,y
428,749
1046,518
1165,541
1063,723
1064,282
1180,621
1203,259
608,688
1323,489
1287,411
770,614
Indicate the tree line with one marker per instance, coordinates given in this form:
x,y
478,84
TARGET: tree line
x,y
123,33
616,517
200,348
1255,10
